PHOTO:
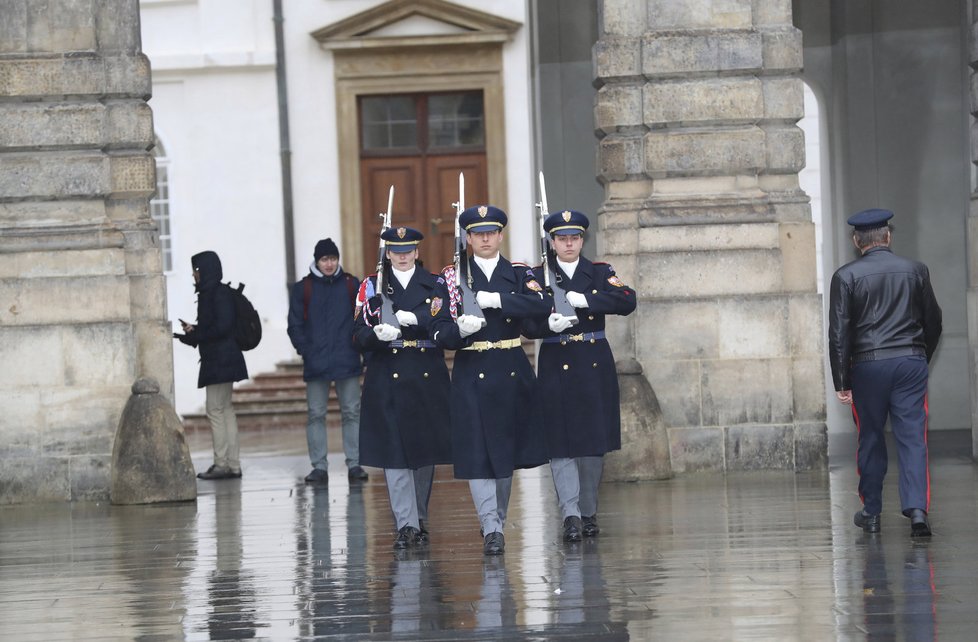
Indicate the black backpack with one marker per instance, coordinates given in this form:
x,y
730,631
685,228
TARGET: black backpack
x,y
247,324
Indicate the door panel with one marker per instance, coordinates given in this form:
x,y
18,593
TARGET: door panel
x,y
442,178
378,174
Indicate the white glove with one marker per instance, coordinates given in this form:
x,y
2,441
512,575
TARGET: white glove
x,y
558,322
386,332
488,300
468,324
406,318
577,299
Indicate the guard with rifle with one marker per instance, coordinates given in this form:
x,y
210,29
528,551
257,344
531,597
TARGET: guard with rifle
x,y
403,425
578,384
496,421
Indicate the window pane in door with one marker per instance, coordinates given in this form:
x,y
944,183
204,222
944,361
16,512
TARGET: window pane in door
x,y
389,122
456,120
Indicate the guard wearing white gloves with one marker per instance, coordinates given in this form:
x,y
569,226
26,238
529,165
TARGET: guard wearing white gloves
x,y
578,384
403,425
496,421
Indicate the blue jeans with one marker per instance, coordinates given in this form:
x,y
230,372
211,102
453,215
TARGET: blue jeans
x,y
317,396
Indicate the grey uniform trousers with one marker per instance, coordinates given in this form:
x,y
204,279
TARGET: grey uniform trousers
x,y
409,491
491,498
576,482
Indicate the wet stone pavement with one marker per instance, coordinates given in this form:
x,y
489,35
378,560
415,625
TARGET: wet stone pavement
x,y
767,555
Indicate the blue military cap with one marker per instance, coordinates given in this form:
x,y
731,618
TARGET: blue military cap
x,y
870,219
482,218
401,239
565,222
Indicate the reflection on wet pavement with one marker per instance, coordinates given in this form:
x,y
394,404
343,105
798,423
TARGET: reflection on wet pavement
x,y
768,555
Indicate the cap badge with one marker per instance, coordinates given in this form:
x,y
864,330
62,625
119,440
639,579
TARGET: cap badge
x,y
401,232
566,216
483,210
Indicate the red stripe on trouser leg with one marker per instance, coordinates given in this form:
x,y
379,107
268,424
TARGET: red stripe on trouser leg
x,y
859,473
926,452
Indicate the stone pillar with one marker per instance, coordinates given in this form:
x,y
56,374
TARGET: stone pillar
x,y
699,155
82,292
973,235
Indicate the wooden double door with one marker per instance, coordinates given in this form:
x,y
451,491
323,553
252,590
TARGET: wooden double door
x,y
419,143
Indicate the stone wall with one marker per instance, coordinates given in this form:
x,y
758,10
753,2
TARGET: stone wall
x,y
82,297
699,155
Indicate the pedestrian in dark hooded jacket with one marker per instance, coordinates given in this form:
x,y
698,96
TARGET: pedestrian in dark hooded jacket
x,y
321,329
221,361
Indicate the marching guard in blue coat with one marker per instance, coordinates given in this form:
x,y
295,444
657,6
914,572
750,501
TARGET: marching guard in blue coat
x,y
403,425
577,381
495,410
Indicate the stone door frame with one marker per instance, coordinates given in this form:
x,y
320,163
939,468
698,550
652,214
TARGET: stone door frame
x,y
469,59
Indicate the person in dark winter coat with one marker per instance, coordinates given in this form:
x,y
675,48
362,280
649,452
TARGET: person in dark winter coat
x,y
321,309
496,420
578,383
404,426
221,361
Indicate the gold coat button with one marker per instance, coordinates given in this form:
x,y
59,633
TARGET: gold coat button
x,y
422,349
427,300
512,374
482,375
509,320
592,340
590,317
395,375
593,365
566,367
426,374
594,291
394,350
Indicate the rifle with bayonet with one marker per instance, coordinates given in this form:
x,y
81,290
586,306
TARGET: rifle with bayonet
x,y
463,277
552,280
383,288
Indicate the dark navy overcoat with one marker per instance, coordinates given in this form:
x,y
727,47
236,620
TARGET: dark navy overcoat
x,y
577,381
496,421
404,420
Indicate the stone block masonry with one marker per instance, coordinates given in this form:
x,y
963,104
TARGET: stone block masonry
x,y
82,295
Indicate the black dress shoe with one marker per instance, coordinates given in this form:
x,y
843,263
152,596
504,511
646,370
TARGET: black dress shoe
x,y
918,523
572,529
405,537
869,523
495,544
590,527
219,472
422,537
317,476
357,474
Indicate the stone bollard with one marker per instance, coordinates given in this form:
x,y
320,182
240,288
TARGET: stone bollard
x,y
150,458
644,453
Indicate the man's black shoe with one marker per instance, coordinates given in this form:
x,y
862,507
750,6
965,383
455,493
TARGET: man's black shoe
x,y
869,523
590,526
572,529
357,474
405,537
317,476
495,544
219,472
918,523
422,537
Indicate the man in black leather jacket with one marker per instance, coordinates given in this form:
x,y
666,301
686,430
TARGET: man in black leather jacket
x,y
884,325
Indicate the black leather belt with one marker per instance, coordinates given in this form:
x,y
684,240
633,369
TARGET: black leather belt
x,y
889,353
564,339
409,343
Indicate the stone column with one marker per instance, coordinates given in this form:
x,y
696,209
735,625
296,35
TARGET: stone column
x,y
82,296
973,235
699,155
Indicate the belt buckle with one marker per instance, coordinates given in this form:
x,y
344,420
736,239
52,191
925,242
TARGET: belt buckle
x,y
409,343
576,337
